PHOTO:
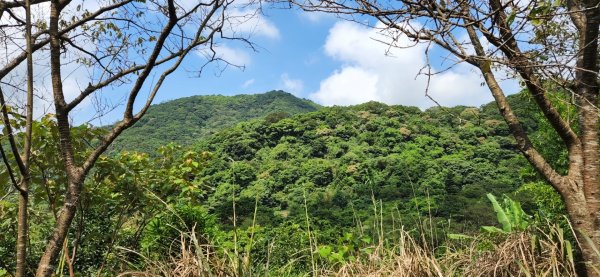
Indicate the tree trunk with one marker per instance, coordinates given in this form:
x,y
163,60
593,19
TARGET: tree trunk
x,y
74,174
588,249
61,229
587,232
587,215
22,231
22,217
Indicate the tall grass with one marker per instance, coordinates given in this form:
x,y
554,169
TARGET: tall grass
x,y
519,254
529,253
534,251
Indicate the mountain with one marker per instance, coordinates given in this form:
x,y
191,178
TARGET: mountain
x,y
332,163
185,120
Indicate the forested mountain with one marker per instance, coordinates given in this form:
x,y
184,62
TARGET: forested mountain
x,y
436,163
349,172
185,120
440,162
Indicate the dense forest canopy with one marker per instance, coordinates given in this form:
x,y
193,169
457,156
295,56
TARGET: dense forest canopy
x,y
440,162
182,121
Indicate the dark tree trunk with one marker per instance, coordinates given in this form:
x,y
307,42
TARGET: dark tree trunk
x,y
22,231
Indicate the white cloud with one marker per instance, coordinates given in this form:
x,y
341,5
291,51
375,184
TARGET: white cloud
x,y
234,56
294,86
367,73
352,85
248,21
248,83
314,17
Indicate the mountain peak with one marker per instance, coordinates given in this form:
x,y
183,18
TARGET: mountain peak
x,y
188,119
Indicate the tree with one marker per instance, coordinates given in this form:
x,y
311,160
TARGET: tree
x,y
22,159
122,45
549,45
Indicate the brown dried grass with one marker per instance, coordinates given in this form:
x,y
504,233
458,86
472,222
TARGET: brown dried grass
x,y
194,260
518,254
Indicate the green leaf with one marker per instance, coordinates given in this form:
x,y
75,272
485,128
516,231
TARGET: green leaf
x,y
518,221
325,251
366,240
511,18
463,236
492,230
336,257
500,213
569,250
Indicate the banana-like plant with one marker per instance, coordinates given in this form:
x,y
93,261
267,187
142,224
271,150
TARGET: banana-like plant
x,y
509,214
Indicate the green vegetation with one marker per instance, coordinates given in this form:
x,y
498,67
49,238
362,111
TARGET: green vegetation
x,y
326,191
429,164
183,121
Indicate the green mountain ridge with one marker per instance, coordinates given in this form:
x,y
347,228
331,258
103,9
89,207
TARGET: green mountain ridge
x,y
438,163
274,145
185,120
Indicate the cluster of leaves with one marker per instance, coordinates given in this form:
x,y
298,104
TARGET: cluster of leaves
x,y
48,177
509,214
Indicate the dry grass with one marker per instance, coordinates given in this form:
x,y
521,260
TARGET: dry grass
x,y
540,252
194,260
518,254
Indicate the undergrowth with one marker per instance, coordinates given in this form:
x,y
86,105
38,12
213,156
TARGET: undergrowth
x,y
538,250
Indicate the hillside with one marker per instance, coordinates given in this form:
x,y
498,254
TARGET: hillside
x,y
436,163
185,120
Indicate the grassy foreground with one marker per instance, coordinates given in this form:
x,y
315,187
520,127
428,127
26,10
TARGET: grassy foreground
x,y
535,252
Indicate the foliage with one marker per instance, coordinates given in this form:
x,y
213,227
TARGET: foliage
x,y
301,191
509,214
48,174
162,234
424,164
184,120
544,200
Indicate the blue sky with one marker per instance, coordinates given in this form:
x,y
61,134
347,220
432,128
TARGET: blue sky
x,y
314,56
322,58
332,62
293,60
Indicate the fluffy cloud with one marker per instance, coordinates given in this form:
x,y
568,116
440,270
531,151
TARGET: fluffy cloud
x,y
372,71
234,56
294,86
228,55
351,85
